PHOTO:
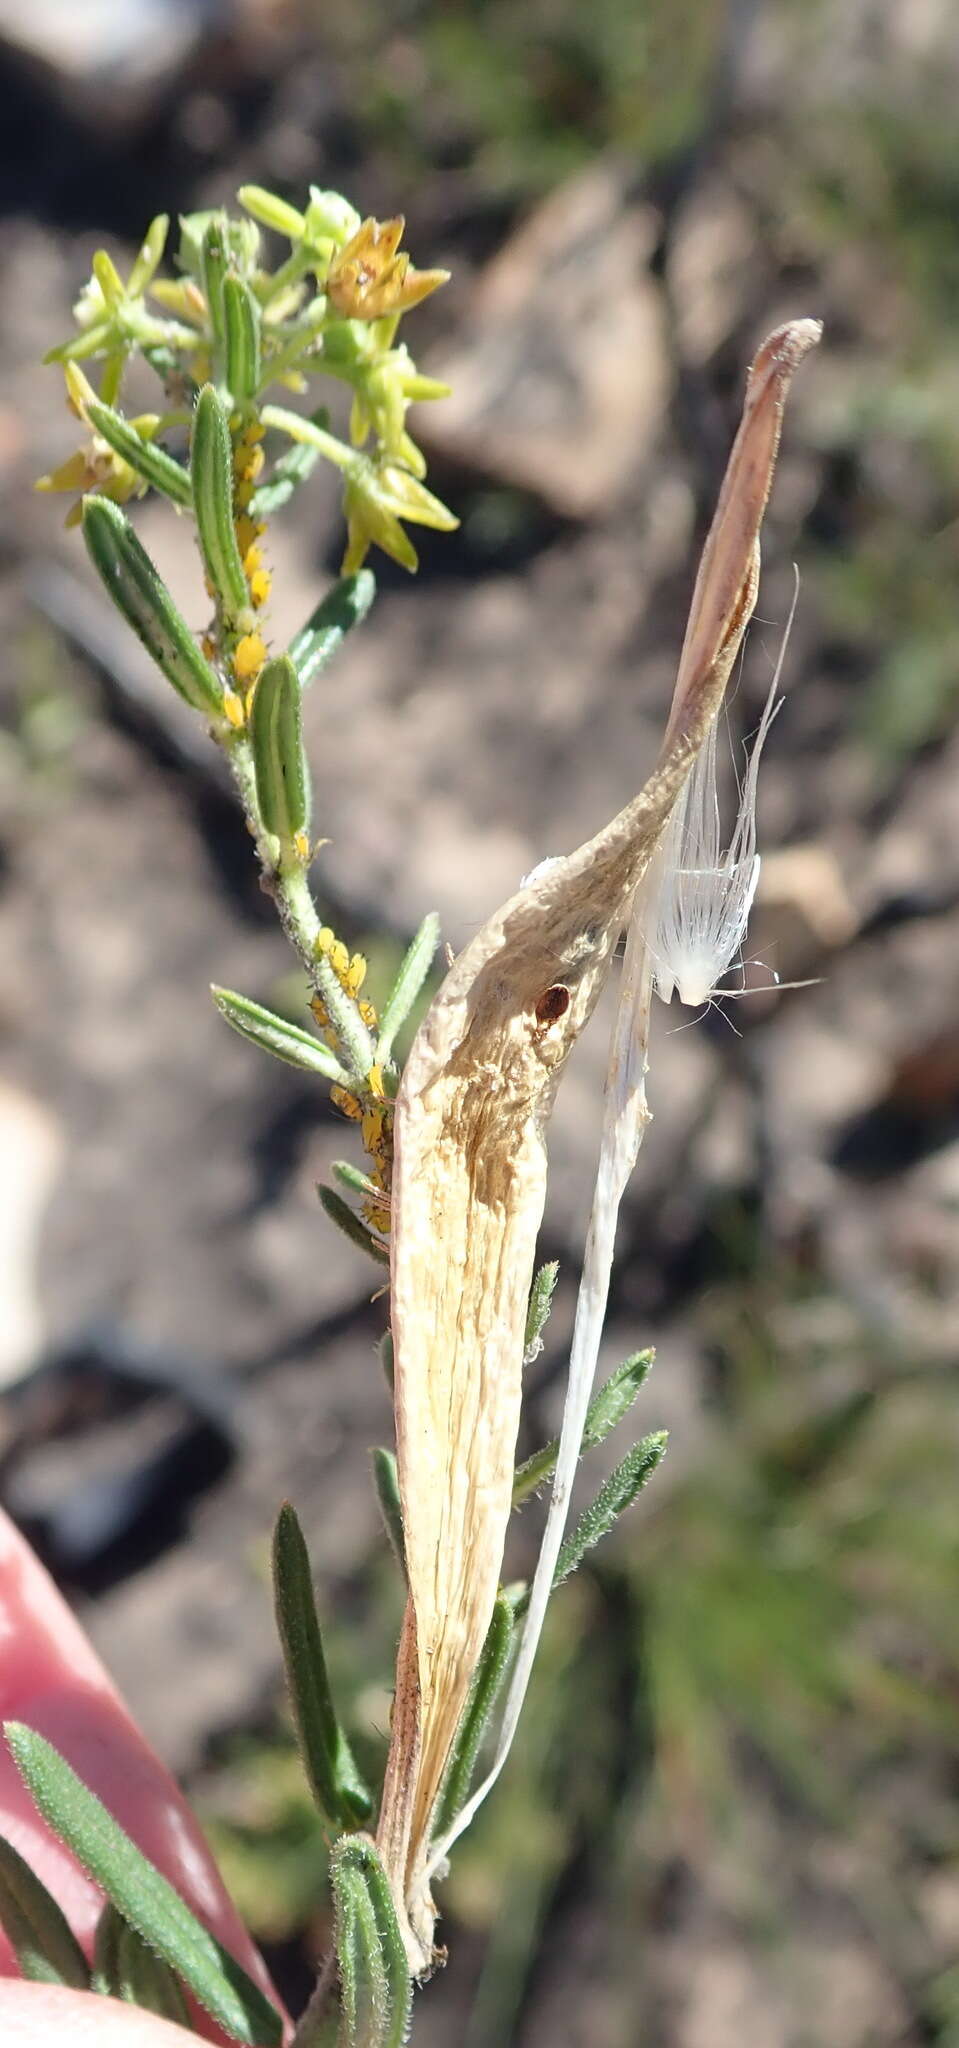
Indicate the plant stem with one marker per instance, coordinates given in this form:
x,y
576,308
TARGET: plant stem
x,y
288,884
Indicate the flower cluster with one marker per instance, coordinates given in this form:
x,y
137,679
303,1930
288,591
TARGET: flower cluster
x,y
331,308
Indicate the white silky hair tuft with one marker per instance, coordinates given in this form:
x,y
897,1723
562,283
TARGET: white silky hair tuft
x,y
697,899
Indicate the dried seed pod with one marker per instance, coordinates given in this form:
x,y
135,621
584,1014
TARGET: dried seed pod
x,y
470,1175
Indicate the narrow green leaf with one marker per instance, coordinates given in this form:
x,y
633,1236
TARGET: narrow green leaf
x,y
286,1041
131,580
413,972
605,1410
106,1952
149,461
619,1490
124,1967
35,1927
214,264
109,280
241,323
490,1673
141,1895
272,212
279,763
362,1971
352,1227
211,469
325,631
331,1771
149,256
376,1989
386,1481
537,1314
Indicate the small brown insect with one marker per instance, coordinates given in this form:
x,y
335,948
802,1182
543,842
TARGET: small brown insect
x,y
553,1004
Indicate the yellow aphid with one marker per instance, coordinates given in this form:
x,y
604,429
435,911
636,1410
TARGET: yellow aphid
x,y
242,494
208,644
325,938
377,1217
302,845
249,654
247,531
249,462
320,1012
261,583
339,958
373,1128
346,1102
356,974
252,560
375,1083
233,706
368,1013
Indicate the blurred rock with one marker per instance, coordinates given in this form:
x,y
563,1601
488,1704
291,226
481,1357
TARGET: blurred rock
x,y
110,58
561,376
713,268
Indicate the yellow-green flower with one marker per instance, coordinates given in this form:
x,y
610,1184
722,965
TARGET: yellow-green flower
x,y
390,385
112,315
376,498
95,466
371,276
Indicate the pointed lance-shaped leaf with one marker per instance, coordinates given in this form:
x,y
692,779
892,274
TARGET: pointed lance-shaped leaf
x,y
470,1172
606,1409
388,1495
328,1761
279,762
490,1673
45,1949
375,1986
414,968
340,1213
617,1493
314,646
141,1895
241,325
153,463
211,470
286,1041
537,1315
139,593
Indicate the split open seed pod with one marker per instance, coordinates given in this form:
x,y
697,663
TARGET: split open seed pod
x,y
470,1174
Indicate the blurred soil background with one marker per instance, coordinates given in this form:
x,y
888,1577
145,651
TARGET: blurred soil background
x,y
733,1820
